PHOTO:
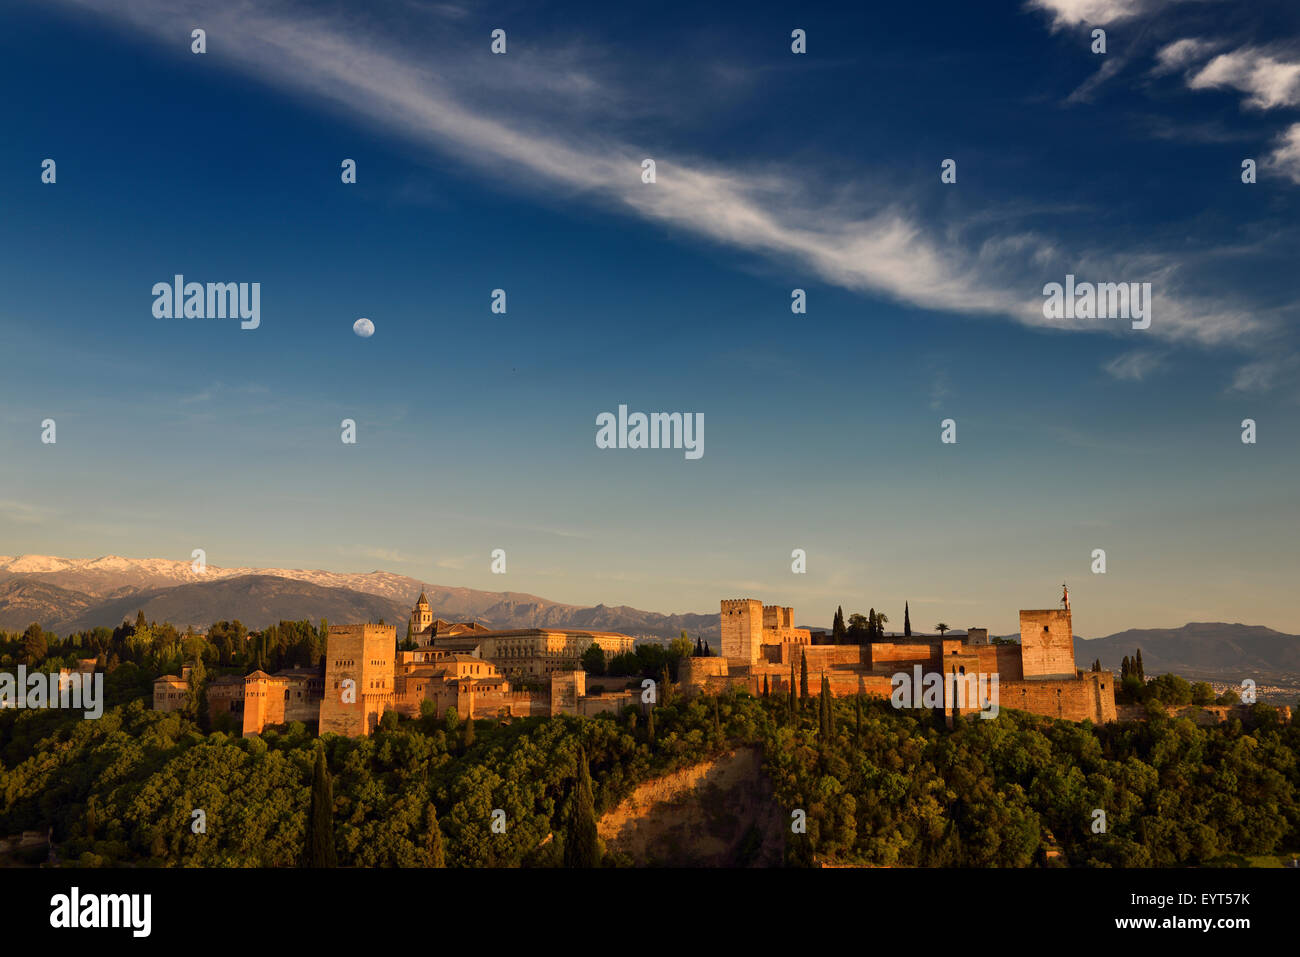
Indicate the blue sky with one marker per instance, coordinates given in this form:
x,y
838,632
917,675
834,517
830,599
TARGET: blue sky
x,y
775,171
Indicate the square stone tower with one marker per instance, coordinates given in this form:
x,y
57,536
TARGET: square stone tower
x,y
362,654
742,629
1046,643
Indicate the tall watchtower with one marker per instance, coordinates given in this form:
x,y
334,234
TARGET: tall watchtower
x,y
742,629
362,655
1046,643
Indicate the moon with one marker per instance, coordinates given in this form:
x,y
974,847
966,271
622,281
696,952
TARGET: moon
x,y
364,328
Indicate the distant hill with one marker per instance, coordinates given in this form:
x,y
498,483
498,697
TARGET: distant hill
x,y
1198,648
66,595
23,601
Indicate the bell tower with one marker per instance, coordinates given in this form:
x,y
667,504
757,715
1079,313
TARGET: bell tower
x,y
421,618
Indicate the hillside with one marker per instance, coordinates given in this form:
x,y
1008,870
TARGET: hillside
x,y
1198,648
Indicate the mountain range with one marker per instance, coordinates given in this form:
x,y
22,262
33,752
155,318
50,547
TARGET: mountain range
x,y
66,595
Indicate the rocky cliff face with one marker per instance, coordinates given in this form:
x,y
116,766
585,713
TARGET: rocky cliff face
x,y
719,813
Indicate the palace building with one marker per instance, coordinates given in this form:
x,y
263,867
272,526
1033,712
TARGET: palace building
x,y
760,645
461,666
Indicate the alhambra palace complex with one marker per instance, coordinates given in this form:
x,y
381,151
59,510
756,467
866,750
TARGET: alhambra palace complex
x,y
470,668
760,642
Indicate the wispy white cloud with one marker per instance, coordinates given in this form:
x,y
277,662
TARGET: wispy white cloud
x,y
24,513
379,554
1285,155
1268,81
1069,13
1086,90
1264,375
1181,54
529,132
1134,366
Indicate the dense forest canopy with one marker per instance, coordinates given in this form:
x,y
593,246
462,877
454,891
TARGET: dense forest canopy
x,y
877,786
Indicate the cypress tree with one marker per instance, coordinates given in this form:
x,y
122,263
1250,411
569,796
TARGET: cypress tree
x,y
857,717
824,710
1141,673
803,678
433,856
838,629
665,689
907,621
871,625
581,847
792,688
765,688
320,818
717,719
650,726
469,732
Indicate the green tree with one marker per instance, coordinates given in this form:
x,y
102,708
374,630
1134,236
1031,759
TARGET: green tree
x,y
941,628
320,817
838,631
35,645
1137,663
678,649
197,703
907,621
581,845
824,723
593,660
765,688
717,720
803,679
469,733
433,854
